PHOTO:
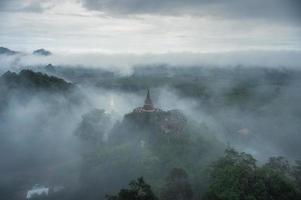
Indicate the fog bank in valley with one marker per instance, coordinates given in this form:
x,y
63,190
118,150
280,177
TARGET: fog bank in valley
x,y
124,63
245,103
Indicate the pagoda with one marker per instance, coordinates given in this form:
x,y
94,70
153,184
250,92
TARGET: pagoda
x,y
148,105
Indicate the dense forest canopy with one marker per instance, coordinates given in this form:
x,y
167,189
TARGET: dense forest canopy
x,y
176,150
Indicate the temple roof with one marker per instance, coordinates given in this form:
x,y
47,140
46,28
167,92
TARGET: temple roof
x,y
148,100
148,104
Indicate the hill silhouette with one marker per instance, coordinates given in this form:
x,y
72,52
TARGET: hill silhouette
x,y
41,52
6,51
28,79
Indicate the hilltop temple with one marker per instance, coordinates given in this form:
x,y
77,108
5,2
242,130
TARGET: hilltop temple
x,y
148,105
171,121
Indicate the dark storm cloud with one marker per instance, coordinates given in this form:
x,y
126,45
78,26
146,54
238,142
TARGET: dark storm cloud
x,y
271,9
21,5
3,4
276,10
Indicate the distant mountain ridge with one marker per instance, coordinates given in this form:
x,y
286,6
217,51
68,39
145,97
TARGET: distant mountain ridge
x,y
34,80
38,52
27,84
41,52
6,51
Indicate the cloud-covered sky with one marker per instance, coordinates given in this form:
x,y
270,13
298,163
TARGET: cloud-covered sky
x,y
150,26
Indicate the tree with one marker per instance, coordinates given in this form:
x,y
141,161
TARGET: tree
x,y
296,172
279,164
139,190
236,177
231,176
177,186
274,185
94,126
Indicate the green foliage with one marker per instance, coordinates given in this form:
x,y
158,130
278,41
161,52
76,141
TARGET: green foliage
x,y
279,164
94,126
236,177
247,88
141,146
297,173
177,186
139,190
272,184
28,79
26,84
192,89
239,94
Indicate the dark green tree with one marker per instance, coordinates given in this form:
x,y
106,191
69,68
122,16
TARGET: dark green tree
x,y
139,190
236,177
94,126
296,172
177,186
279,163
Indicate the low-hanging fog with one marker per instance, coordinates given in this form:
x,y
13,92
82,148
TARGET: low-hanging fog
x,y
123,63
37,131
38,141
150,99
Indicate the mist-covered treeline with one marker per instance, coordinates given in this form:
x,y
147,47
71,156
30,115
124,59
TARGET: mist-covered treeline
x,y
150,100
75,127
246,106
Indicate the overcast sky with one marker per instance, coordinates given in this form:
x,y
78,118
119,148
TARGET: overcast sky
x,y
150,26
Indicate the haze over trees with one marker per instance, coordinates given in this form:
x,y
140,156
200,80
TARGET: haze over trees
x,y
84,146
150,100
